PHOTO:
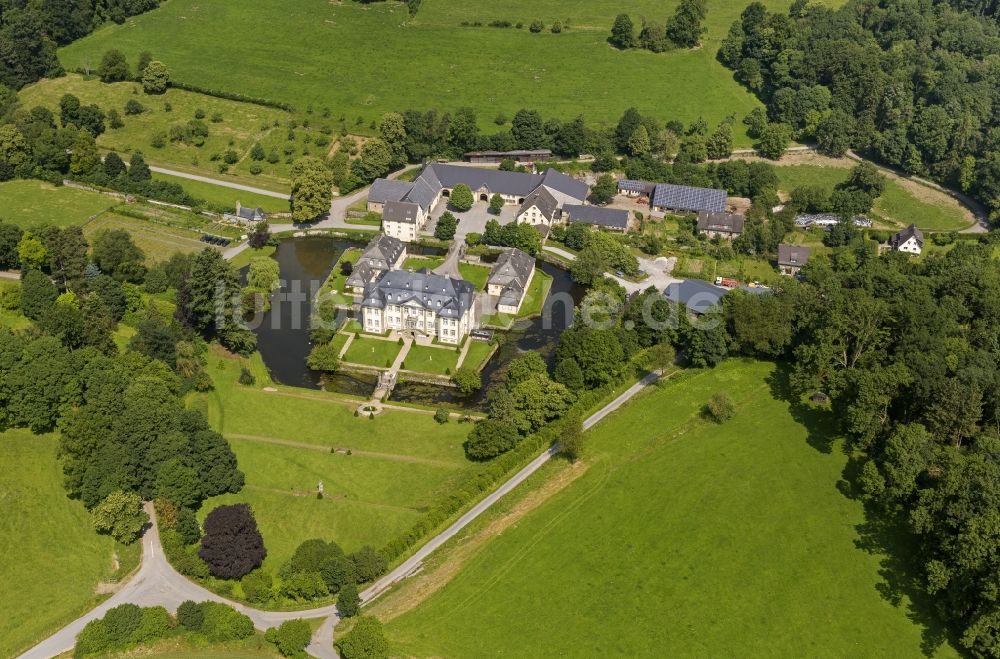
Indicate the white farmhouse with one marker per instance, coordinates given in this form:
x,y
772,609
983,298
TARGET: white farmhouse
x,y
910,240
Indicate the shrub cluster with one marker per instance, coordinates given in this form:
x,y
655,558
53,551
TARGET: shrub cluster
x,y
122,627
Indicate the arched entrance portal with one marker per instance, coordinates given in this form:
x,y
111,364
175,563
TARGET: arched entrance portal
x,y
484,197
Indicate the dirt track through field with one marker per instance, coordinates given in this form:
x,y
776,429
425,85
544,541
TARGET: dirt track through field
x,y
394,457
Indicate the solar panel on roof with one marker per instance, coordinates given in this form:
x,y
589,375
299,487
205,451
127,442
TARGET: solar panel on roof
x,y
682,197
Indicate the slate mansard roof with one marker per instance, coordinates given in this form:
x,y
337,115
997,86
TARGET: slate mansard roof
x,y
445,296
512,271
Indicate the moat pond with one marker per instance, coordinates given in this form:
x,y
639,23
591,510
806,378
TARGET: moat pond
x,y
284,342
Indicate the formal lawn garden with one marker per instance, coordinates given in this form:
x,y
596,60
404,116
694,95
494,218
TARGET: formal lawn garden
x,y
898,206
241,125
372,352
379,475
30,203
431,359
561,74
54,558
224,197
683,538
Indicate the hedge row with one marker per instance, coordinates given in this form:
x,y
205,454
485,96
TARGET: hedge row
x,y
232,96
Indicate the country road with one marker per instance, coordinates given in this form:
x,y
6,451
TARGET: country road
x,y
157,583
219,182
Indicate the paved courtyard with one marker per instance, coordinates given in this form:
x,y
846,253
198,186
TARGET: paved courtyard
x,y
471,221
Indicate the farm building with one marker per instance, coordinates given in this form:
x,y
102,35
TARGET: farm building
x,y
496,157
909,241
246,215
682,198
405,207
383,253
630,188
791,258
613,219
698,296
509,279
722,225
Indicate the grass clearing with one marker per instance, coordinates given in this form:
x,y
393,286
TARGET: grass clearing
x,y
897,205
157,241
54,558
419,262
204,44
431,359
372,352
242,125
683,538
220,195
400,462
478,354
30,204
474,274
188,646
335,286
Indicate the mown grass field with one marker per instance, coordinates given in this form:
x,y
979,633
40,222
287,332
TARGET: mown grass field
x,y
226,197
242,125
477,355
29,204
431,359
682,538
53,558
157,241
897,205
372,352
400,462
309,56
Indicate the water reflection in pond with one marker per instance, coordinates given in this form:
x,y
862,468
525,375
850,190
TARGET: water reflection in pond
x,y
283,336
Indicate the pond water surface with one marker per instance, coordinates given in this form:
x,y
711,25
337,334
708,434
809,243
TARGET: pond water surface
x,y
284,342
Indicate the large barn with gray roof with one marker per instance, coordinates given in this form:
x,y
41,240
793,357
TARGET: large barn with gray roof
x,y
405,207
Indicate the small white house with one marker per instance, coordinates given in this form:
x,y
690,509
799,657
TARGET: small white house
x,y
909,241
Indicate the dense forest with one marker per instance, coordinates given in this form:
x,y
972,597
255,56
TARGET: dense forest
x,y
31,31
916,84
908,353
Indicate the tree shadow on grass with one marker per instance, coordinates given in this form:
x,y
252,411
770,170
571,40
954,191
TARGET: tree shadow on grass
x,y
818,421
882,535
885,536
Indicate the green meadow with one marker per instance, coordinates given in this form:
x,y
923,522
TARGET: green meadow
x,y
226,197
897,205
379,475
240,125
360,60
53,558
684,538
30,203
